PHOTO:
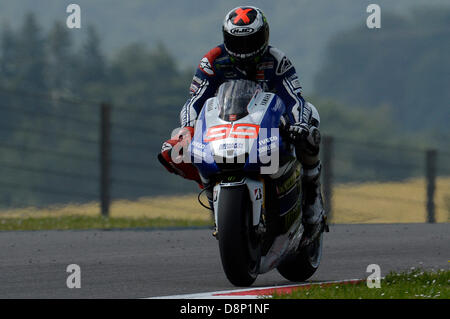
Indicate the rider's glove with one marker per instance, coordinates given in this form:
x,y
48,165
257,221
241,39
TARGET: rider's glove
x,y
298,132
171,155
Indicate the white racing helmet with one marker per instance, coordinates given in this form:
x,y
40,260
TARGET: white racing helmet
x,y
245,33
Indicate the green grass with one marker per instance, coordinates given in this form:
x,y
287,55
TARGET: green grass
x,y
413,284
89,222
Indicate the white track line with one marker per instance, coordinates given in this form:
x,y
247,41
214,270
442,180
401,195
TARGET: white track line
x,y
252,292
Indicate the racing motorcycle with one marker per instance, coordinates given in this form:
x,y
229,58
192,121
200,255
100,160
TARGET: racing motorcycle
x,y
255,179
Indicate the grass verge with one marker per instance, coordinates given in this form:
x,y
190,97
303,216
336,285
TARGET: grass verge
x,y
93,222
394,202
413,284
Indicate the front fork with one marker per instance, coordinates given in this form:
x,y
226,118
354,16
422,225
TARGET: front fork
x,y
256,195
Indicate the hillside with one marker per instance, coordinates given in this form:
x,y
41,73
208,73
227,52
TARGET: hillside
x,y
403,66
301,28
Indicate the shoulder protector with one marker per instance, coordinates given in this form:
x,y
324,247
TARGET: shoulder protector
x,y
283,64
207,62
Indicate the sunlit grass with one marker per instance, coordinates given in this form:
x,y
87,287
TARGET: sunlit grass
x,y
394,202
89,222
413,284
390,202
184,207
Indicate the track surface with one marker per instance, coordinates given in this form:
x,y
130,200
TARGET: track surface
x,y
146,263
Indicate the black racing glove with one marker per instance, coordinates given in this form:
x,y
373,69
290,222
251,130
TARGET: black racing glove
x,y
298,132
305,138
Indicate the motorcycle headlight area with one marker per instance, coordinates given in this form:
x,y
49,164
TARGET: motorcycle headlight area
x,y
231,163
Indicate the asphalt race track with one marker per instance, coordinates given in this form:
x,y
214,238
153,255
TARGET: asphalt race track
x,y
147,263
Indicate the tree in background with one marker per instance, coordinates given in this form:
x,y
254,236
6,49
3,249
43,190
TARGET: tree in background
x,y
92,67
8,62
61,61
31,57
8,70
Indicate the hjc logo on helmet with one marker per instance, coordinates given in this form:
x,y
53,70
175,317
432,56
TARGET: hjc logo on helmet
x,y
241,30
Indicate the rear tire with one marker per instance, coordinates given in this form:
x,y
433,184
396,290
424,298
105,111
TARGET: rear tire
x,y
303,263
239,245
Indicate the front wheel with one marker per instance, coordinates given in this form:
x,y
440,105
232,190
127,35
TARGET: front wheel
x,y
239,244
302,264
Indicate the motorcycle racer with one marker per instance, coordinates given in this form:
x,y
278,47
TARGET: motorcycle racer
x,y
246,54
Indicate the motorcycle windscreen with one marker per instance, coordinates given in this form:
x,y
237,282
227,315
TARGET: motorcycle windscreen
x,y
234,98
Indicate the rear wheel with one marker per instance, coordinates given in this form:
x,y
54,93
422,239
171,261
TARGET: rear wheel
x,y
239,244
302,264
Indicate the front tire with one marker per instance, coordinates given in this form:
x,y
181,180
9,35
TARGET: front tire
x,y
239,244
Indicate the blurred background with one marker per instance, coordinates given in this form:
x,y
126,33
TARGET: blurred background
x,y
83,112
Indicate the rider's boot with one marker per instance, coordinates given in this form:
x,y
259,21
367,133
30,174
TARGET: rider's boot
x,y
314,218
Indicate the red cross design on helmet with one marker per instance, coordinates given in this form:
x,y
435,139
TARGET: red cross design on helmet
x,y
242,15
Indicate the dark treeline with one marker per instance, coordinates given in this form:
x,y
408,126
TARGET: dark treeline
x,y
50,64
51,89
50,92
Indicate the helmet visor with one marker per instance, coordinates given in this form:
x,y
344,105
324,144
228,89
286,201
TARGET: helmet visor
x,y
245,46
